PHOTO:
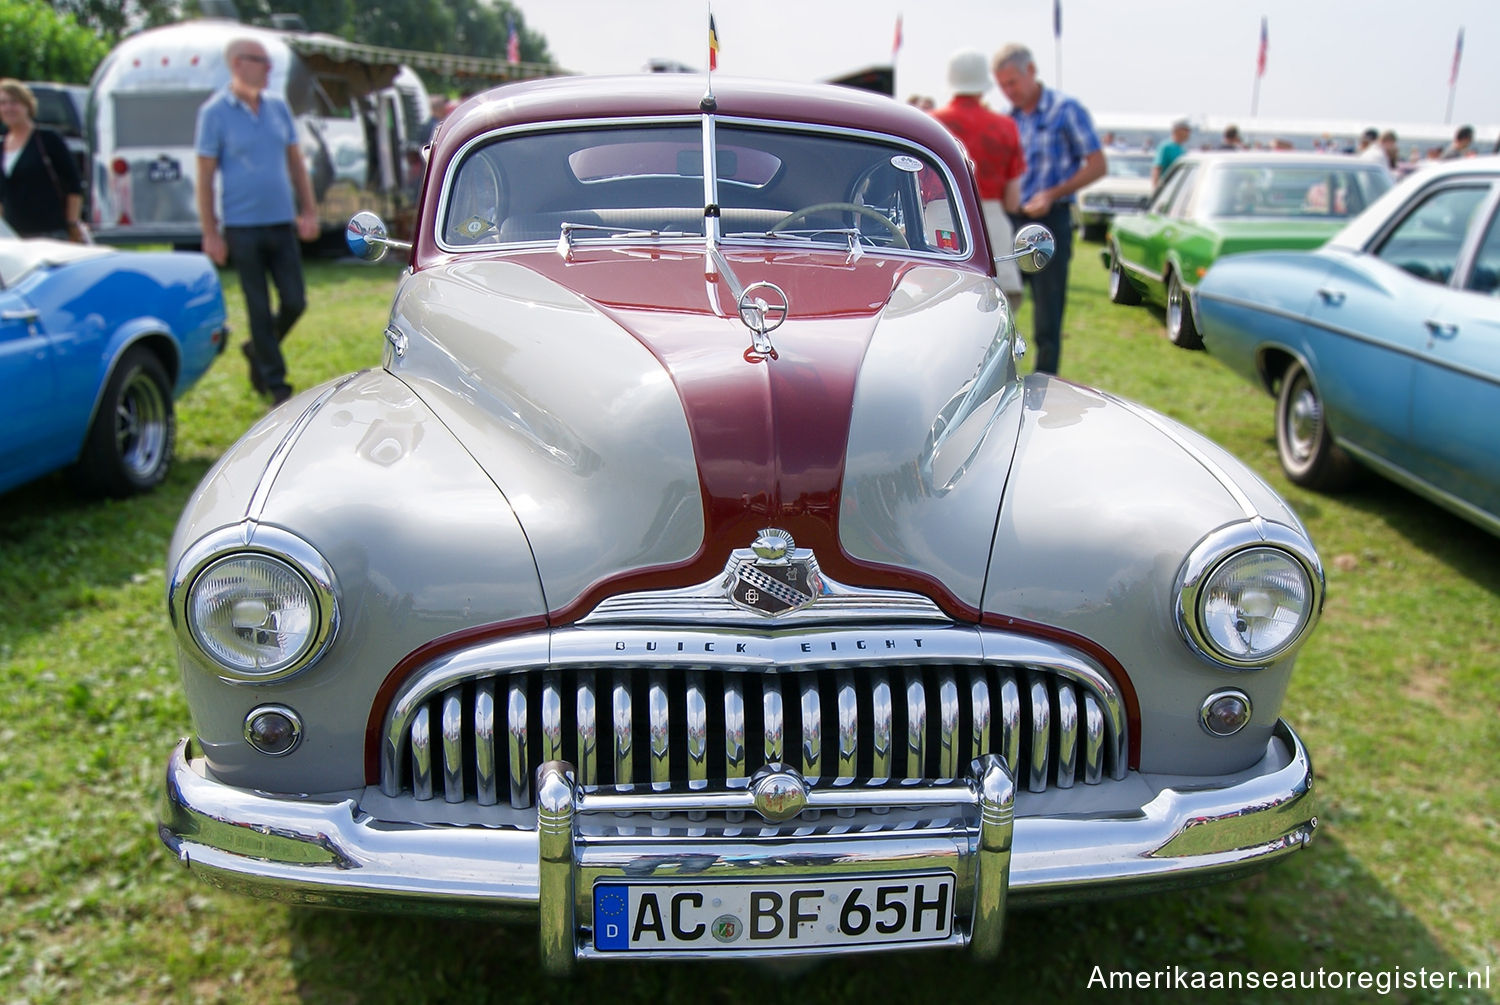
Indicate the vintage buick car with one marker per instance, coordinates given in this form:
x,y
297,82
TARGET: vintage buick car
x,y
1383,346
1210,205
696,576
95,346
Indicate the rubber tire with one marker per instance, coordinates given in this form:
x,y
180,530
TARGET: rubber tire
x,y
1121,290
1181,330
128,449
1308,454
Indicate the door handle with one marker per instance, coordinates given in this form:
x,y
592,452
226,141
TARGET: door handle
x,y
1441,329
27,314
1331,296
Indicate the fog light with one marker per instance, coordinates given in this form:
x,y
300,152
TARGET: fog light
x,y
274,730
1225,712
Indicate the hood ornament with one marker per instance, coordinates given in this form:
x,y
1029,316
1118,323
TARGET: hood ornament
x,y
772,576
763,307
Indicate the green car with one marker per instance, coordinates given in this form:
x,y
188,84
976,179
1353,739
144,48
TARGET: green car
x,y
1215,204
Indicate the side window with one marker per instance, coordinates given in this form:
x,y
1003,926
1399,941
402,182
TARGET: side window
x,y
1426,242
1485,276
1168,189
1182,201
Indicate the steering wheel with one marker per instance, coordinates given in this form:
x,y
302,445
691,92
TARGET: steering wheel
x,y
897,238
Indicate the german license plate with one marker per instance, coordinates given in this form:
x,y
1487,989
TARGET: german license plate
x,y
164,169
788,914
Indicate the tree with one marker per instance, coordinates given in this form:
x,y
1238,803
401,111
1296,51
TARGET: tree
x,y
113,18
39,43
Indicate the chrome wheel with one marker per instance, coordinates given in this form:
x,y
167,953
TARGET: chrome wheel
x,y
1180,327
1308,454
141,426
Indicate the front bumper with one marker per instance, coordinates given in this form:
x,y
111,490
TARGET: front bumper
x,y
332,853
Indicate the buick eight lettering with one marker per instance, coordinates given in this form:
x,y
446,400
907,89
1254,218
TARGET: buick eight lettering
x,y
698,575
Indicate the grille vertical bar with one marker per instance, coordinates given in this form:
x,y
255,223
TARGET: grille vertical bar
x,y
700,728
659,711
624,731
697,733
812,727
734,728
774,717
453,746
588,730
484,743
520,797
848,710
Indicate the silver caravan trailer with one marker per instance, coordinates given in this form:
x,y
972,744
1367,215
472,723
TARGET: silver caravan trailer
x,y
360,124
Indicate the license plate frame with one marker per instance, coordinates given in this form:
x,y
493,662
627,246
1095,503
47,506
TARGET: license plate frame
x,y
164,169
774,915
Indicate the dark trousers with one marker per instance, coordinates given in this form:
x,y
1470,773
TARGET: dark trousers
x,y
258,252
1049,288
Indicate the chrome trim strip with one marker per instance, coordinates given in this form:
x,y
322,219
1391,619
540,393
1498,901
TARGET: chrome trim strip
x,y
705,603
262,493
697,733
1447,500
1067,735
453,746
812,728
948,739
588,730
516,718
848,712
484,743
659,713
1174,434
916,724
734,729
1041,731
775,717
624,731
1093,740
421,755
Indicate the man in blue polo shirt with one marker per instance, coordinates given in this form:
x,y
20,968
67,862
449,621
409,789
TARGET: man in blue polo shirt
x,y
1062,156
246,137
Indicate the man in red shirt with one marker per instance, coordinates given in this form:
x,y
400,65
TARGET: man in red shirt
x,y
994,147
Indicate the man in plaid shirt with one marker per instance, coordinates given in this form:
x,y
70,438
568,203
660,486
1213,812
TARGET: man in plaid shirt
x,y
1062,156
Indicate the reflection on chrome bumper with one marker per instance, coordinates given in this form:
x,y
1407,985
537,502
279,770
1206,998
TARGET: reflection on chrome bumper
x,y
318,851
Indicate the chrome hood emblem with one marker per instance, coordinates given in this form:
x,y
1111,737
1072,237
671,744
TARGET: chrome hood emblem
x,y
773,576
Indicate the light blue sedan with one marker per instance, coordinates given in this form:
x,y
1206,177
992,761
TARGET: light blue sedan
x,y
1383,346
95,345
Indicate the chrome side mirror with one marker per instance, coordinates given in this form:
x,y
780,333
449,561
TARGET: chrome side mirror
x,y
1034,248
368,238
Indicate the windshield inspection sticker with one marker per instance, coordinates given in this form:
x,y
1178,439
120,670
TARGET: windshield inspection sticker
x,y
905,162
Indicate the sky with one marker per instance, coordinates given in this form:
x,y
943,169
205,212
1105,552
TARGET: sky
x,y
1381,62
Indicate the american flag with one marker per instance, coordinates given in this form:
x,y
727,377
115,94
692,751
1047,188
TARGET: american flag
x,y
896,42
513,44
1260,59
1458,55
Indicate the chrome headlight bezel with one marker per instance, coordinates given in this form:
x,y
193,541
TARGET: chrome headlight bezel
x,y
278,547
1210,556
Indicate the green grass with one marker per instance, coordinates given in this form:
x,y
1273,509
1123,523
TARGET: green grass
x,y
1396,697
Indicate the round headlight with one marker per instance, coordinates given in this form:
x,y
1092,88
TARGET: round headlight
x,y
1255,605
253,614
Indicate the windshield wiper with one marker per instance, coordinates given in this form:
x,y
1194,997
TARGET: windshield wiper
x,y
565,238
857,240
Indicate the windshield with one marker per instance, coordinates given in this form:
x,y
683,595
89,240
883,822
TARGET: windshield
x,y
1130,165
1293,191
646,183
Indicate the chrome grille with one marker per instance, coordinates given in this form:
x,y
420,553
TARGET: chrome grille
x,y
640,727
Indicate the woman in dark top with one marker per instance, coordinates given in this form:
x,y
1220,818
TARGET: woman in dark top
x,y
39,186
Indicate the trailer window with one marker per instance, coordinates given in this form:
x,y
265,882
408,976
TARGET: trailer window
x,y
157,119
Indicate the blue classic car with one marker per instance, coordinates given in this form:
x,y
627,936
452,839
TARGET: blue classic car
x,y
1382,347
95,344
